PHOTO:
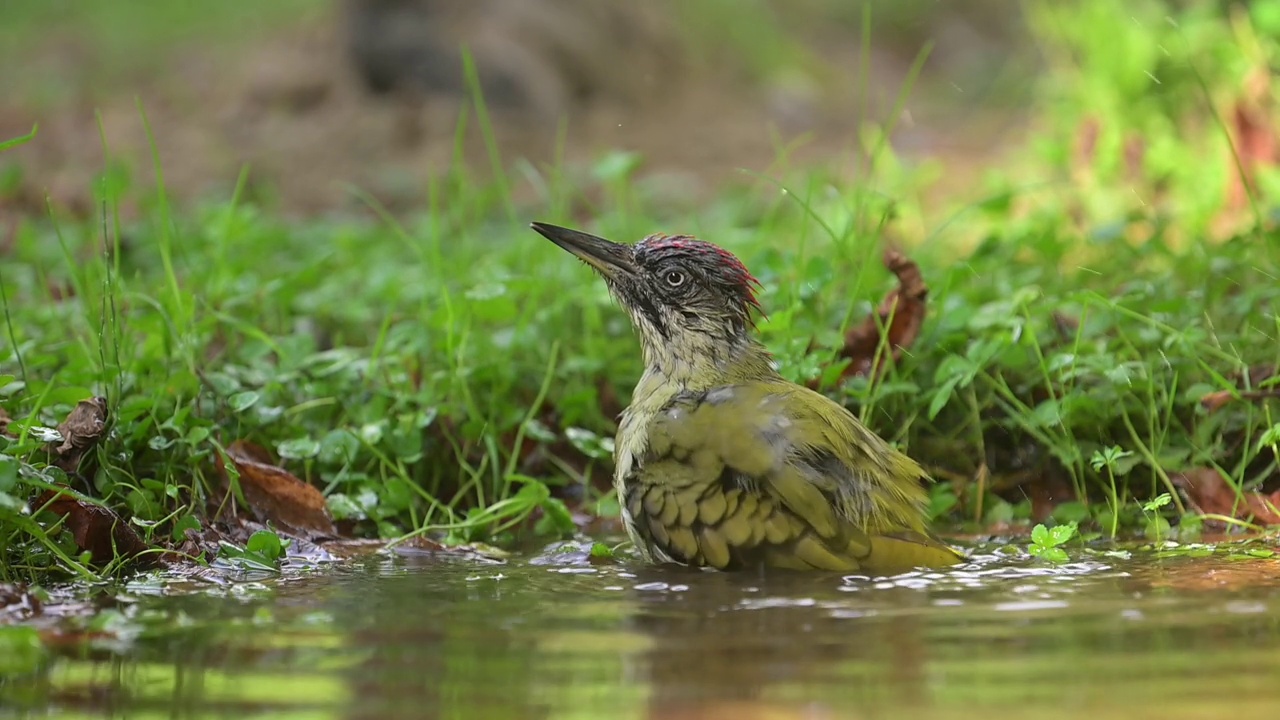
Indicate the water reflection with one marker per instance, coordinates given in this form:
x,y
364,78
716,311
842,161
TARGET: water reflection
x,y
391,638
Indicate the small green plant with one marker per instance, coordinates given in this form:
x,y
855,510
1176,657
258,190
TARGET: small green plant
x,y
263,551
1046,543
1116,462
1157,527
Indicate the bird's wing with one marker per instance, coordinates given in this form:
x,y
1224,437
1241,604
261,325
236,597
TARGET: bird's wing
x,y
780,475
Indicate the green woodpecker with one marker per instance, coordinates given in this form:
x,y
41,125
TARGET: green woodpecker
x,y
721,462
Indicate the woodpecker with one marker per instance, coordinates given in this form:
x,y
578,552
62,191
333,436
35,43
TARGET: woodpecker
x,y
719,461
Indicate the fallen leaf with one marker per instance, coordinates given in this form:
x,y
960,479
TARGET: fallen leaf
x,y
901,313
1210,494
1256,375
96,529
4,423
277,495
82,429
1215,400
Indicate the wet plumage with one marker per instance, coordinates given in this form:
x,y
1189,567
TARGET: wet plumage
x,y
720,461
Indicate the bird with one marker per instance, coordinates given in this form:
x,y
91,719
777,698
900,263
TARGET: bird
x,y
719,461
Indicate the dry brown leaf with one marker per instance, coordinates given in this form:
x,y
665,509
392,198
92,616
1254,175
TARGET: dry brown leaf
x,y
1256,376
97,529
82,429
901,313
1215,400
277,495
1210,494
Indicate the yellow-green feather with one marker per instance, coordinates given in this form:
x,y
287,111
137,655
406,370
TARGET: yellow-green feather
x,y
718,477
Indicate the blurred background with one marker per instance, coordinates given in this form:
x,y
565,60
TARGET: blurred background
x,y
318,96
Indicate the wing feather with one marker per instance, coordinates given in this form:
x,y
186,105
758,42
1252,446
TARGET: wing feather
x,y
779,475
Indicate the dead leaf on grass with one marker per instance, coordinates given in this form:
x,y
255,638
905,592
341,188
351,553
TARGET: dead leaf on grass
x,y
1215,400
1210,494
277,495
97,529
901,314
1256,376
82,429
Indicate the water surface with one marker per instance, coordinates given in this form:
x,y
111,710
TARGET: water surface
x,y
557,637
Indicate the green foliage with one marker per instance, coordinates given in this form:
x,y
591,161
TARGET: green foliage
x,y
264,551
1046,542
20,140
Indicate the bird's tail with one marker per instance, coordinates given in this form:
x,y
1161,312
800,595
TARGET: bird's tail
x,y
898,552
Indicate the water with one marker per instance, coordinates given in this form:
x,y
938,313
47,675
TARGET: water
x,y
396,637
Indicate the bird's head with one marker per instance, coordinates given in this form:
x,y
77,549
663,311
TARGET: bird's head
x,y
686,297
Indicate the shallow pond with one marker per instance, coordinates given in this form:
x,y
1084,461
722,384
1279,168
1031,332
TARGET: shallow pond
x,y
390,636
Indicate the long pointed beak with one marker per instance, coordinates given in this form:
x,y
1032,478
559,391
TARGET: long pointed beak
x,y
610,259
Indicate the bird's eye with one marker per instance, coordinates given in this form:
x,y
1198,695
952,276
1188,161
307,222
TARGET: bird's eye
x,y
674,278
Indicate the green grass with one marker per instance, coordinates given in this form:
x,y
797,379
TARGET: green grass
x,y
449,374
